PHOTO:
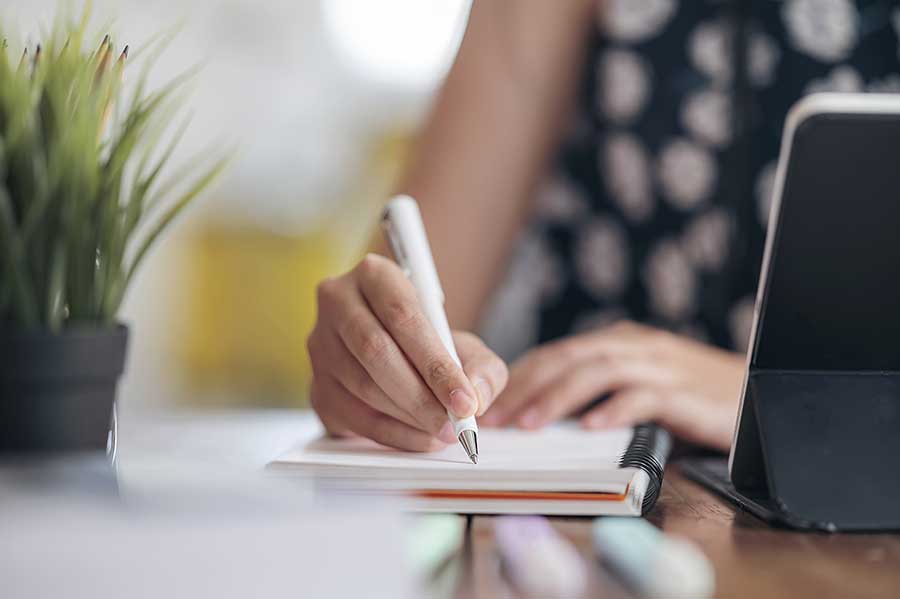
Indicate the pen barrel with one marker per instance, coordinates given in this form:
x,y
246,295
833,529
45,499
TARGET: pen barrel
x,y
406,233
434,312
409,242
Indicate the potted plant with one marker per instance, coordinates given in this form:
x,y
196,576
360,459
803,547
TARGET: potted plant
x,y
83,197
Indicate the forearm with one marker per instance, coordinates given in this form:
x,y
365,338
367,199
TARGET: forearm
x,y
491,130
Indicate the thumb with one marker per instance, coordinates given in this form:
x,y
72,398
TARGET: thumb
x,y
486,370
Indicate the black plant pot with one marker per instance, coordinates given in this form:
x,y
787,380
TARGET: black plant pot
x,y
57,391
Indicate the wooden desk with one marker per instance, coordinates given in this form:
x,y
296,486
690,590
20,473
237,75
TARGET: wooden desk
x,y
750,558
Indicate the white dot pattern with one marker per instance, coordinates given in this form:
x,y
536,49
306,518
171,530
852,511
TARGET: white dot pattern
x,y
652,214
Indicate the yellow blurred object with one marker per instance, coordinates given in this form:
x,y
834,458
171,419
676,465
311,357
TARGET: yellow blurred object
x,y
250,293
250,307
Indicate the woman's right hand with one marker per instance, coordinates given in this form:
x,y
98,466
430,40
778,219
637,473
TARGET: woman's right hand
x,y
380,370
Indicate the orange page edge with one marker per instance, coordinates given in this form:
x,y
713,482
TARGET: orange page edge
x,y
522,495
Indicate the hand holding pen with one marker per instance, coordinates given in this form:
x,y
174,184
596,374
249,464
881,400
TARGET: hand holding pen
x,y
381,370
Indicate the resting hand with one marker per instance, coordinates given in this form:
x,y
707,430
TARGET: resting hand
x,y
646,374
380,370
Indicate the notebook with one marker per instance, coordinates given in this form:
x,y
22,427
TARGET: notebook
x,y
560,470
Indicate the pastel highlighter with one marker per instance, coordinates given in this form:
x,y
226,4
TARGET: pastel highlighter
x,y
650,562
537,560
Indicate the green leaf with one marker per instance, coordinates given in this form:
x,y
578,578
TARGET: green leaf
x,y
16,268
199,185
56,307
79,177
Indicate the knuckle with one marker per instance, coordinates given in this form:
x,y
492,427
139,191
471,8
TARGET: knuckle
x,y
366,386
421,401
616,367
354,325
374,346
403,313
372,265
567,351
314,339
327,291
439,371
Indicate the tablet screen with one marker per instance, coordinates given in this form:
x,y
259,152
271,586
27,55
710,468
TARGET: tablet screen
x,y
832,298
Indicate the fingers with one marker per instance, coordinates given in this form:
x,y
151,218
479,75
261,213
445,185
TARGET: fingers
x,y
535,371
393,300
574,388
380,368
350,375
373,348
692,417
696,418
486,371
340,411
627,408
525,376
583,383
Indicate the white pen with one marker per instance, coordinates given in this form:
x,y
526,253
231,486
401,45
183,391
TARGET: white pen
x,y
405,231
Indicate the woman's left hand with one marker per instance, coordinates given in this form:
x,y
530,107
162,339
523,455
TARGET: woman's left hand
x,y
647,375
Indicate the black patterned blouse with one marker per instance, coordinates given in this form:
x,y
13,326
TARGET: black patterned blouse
x,y
658,207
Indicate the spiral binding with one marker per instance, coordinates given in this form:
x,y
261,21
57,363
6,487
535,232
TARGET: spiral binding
x,y
648,450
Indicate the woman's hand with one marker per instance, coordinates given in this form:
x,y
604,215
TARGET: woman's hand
x,y
379,368
690,388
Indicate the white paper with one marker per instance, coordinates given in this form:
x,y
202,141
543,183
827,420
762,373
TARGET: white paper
x,y
560,458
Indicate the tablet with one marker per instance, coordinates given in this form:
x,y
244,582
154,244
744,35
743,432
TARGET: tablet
x,y
829,291
819,419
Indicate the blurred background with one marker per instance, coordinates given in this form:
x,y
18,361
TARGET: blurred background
x,y
322,98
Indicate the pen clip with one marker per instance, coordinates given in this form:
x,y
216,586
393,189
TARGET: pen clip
x,y
396,244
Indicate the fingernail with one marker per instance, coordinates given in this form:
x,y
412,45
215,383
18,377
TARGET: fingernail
x,y
462,404
446,433
485,395
530,419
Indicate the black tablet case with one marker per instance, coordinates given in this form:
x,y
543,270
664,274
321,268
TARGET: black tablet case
x,y
818,444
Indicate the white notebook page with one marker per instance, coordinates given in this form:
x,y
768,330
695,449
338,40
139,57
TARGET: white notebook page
x,y
559,458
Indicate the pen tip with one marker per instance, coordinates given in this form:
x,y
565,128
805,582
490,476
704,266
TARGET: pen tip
x,y
469,440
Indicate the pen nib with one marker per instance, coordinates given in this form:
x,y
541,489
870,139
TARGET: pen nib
x,y
469,441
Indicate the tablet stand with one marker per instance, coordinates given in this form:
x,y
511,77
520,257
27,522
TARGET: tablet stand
x,y
821,450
